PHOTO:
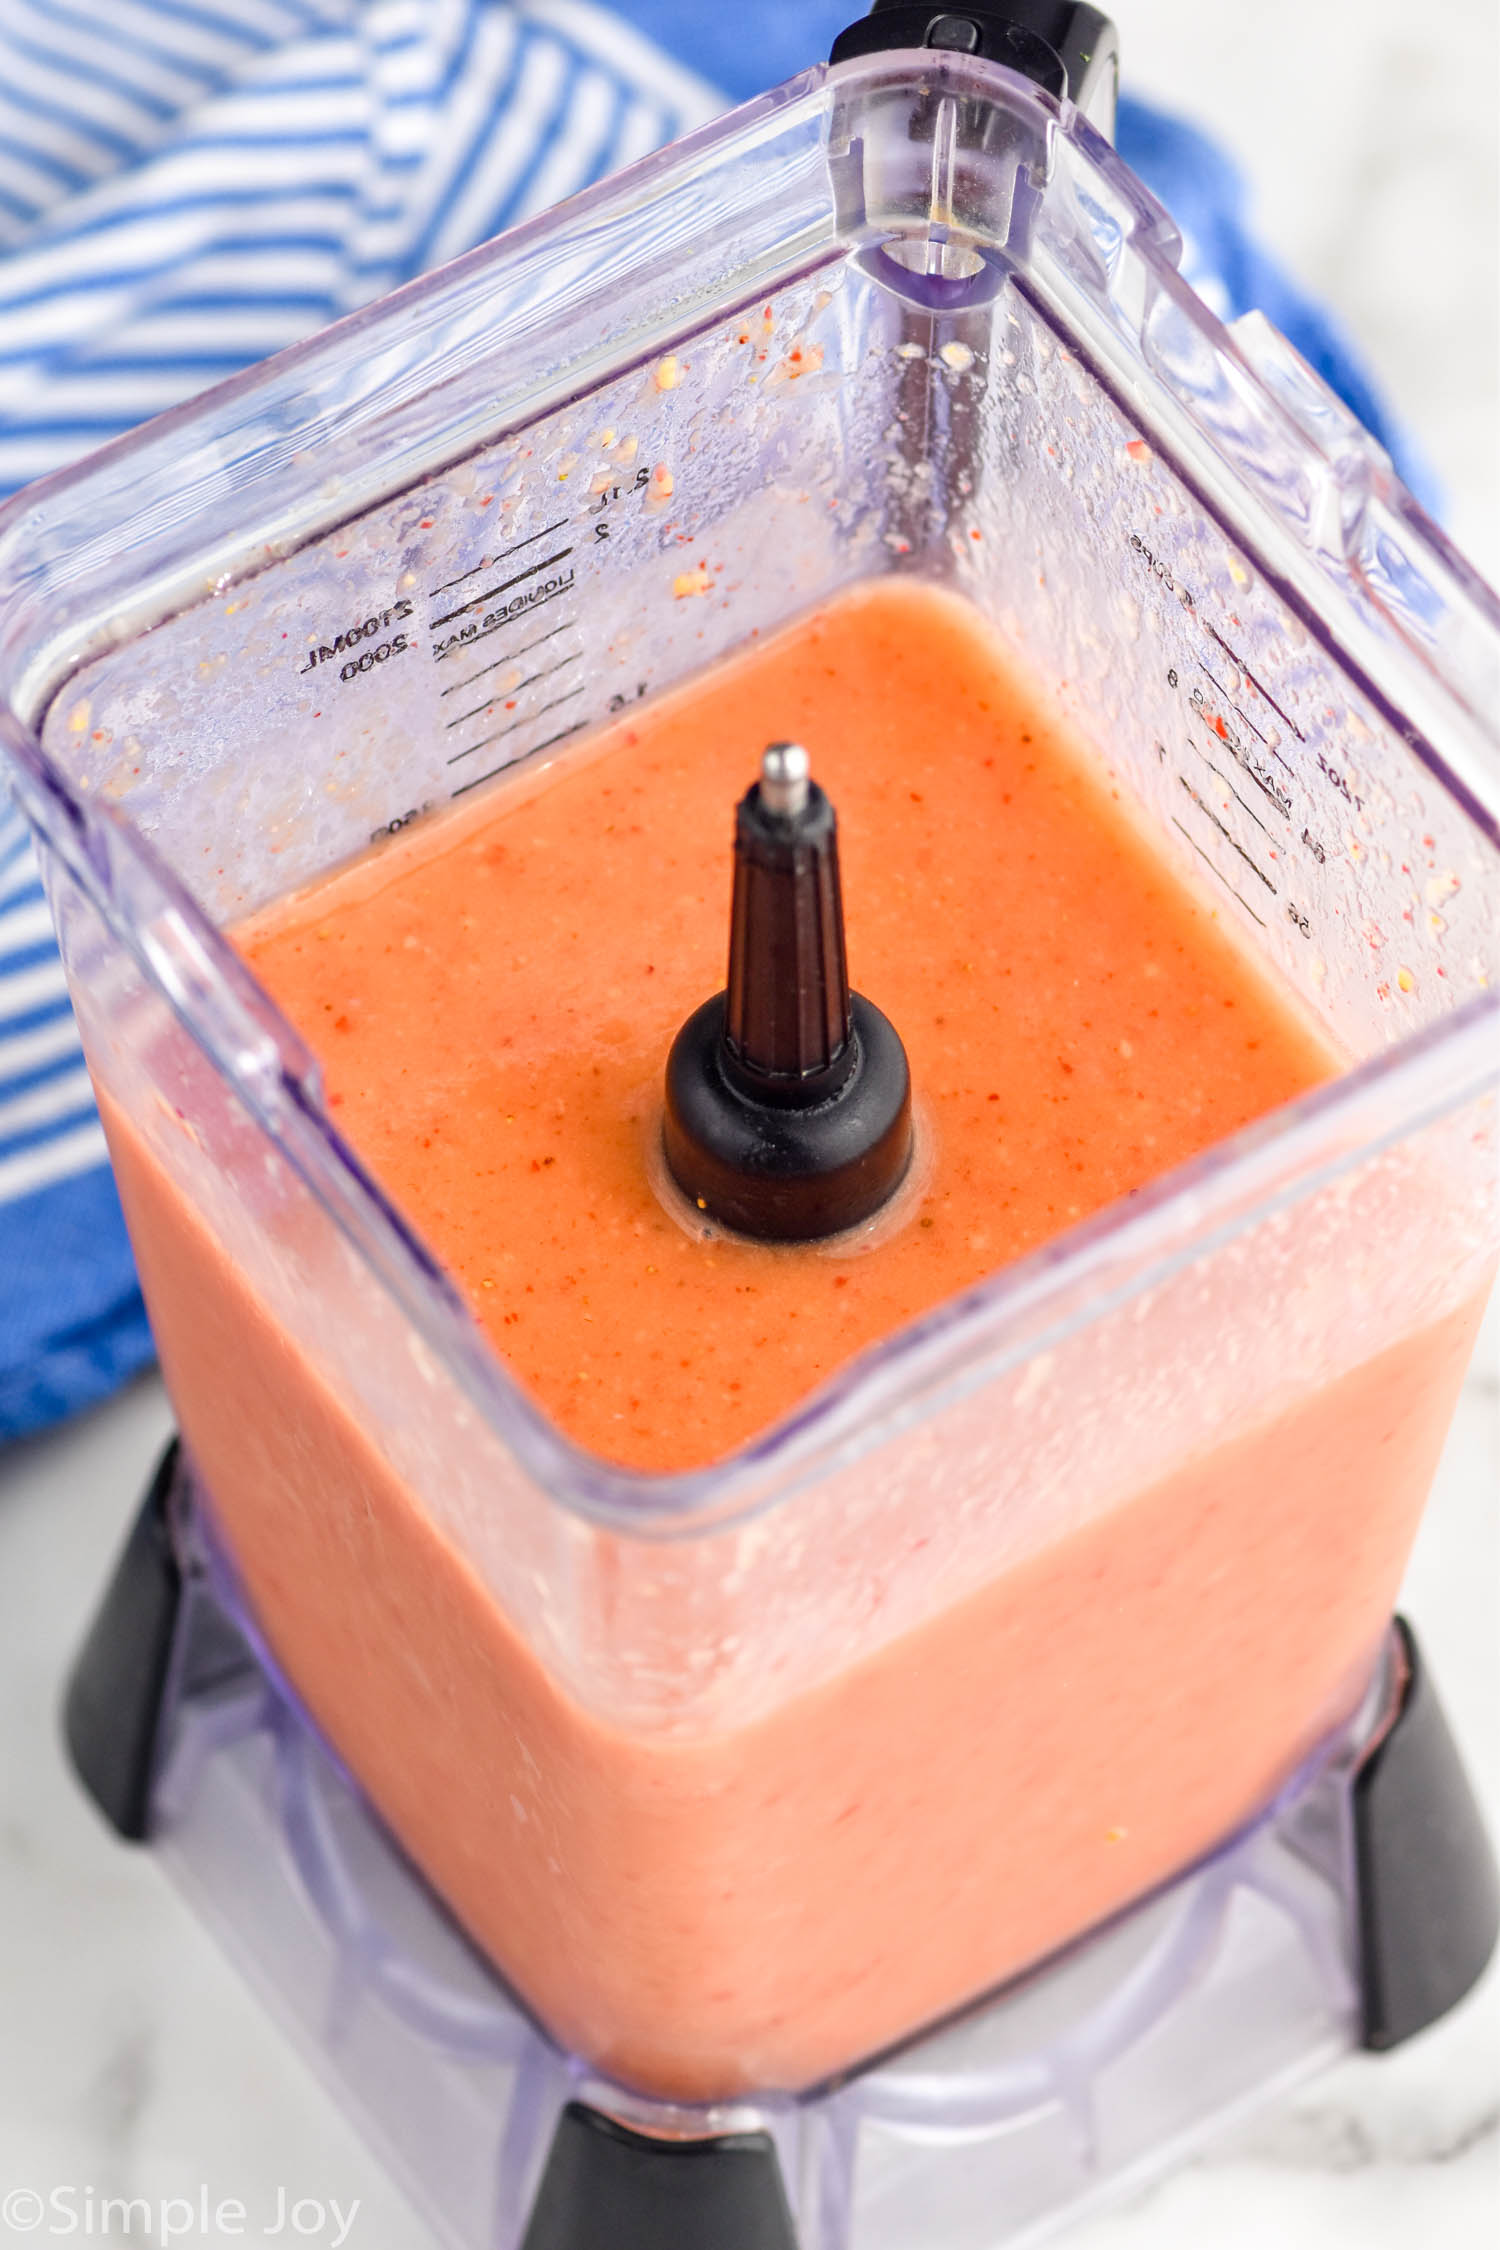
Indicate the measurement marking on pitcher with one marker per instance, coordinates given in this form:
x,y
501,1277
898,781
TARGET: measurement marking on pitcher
x,y
1188,601
1223,878
488,562
520,605
561,736
510,656
1210,815
352,643
504,587
530,681
525,719
1234,707
1248,810
1250,766
1241,666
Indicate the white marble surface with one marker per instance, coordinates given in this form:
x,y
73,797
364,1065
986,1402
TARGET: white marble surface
x,y
131,2059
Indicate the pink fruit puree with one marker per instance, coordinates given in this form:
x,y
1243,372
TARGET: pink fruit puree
x,y
760,1904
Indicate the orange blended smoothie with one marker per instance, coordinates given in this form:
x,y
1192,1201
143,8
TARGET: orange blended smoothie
x,y
493,998
758,1893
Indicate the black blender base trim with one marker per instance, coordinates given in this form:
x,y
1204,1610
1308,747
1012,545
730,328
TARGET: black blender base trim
x,y
112,1709
1429,1890
605,2187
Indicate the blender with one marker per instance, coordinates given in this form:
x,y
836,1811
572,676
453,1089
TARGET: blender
x,y
899,302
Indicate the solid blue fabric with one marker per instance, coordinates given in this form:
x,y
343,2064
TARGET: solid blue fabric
x,y
71,1322
72,1325
743,50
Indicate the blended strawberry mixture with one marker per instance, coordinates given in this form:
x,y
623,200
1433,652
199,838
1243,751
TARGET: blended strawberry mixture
x,y
724,1904
493,998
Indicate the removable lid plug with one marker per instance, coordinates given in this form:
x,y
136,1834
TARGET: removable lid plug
x,y
788,1097
1070,50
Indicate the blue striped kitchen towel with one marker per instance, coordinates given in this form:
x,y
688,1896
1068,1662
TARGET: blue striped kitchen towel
x,y
188,185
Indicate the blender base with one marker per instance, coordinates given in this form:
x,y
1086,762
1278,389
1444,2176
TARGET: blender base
x,y
1358,1907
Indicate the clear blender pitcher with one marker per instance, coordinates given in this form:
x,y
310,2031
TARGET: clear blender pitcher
x,y
654,1740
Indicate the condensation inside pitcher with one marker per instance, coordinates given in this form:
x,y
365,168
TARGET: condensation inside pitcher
x,y
825,435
